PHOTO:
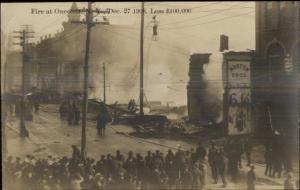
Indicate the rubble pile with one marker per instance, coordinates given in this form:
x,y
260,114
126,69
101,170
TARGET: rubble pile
x,y
177,129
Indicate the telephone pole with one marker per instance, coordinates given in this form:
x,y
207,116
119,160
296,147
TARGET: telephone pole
x,y
24,34
142,62
104,84
89,24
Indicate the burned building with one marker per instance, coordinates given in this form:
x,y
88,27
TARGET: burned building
x,y
276,69
223,43
196,87
59,57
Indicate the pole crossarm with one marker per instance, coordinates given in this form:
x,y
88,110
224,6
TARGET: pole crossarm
x,y
89,24
24,35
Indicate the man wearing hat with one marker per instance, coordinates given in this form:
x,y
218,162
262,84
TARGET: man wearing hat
x,y
201,152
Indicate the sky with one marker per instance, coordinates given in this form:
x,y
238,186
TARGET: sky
x,y
195,32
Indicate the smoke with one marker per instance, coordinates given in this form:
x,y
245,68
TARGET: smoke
x,y
166,64
213,91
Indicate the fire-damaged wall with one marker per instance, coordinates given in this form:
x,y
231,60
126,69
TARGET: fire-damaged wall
x,y
196,88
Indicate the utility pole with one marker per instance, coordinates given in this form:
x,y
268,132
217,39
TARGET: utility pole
x,y
104,84
24,35
142,62
5,78
89,24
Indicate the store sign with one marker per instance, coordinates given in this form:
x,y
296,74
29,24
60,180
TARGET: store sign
x,y
239,111
238,73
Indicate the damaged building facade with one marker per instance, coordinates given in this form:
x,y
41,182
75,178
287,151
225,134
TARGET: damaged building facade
x,y
274,72
56,60
196,87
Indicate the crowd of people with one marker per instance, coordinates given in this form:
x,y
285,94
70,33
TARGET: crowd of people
x,y
184,169
278,158
180,170
156,170
132,107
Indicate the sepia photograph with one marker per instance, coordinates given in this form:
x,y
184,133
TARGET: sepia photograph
x,y
150,95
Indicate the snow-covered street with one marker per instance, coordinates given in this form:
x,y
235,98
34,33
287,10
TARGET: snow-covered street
x,y
48,135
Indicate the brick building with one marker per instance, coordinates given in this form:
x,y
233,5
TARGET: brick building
x,y
276,69
59,57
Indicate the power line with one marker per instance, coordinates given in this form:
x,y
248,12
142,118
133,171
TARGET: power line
x,y
165,47
196,18
211,21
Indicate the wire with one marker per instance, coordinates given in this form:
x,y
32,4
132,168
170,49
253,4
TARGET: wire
x,y
165,47
211,21
196,18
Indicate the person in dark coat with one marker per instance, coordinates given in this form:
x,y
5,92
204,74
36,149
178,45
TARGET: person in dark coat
x,y
101,125
240,150
248,150
76,154
268,161
102,119
36,104
221,164
62,110
277,163
233,161
76,113
70,113
179,162
251,178
201,152
212,156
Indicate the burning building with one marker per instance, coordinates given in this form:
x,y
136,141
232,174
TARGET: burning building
x,y
58,58
196,87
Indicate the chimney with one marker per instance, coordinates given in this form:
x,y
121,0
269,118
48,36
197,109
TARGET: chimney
x,y
223,43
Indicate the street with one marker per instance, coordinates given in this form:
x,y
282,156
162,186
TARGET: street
x,y
48,135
